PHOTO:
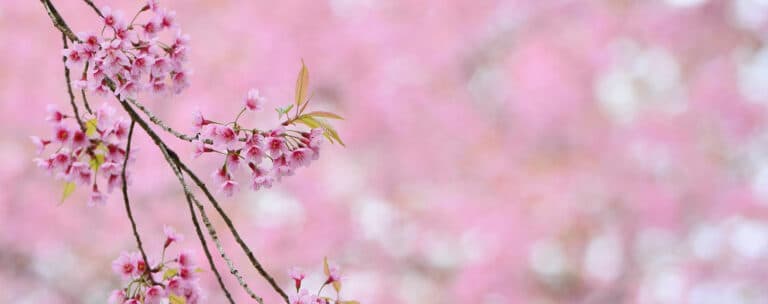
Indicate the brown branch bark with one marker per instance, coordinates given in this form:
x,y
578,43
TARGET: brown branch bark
x,y
148,269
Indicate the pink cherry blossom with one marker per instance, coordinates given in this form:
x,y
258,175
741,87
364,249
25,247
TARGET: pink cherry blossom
x,y
62,134
154,295
96,198
254,101
300,157
39,143
229,187
54,114
124,265
171,236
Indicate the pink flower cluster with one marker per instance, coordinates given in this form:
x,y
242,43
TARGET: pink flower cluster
x,y
171,280
285,149
131,55
332,277
82,156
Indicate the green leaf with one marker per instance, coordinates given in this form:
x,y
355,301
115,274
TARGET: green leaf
x,y
96,162
174,299
349,302
302,82
330,132
170,273
90,127
199,270
69,187
324,114
309,121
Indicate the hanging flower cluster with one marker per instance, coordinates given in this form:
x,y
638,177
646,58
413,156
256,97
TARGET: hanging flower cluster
x,y
268,154
83,156
333,278
169,281
130,55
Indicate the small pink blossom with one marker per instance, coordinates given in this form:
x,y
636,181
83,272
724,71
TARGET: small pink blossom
x,y
199,120
54,115
154,295
81,173
200,148
75,57
40,144
171,236
167,19
61,134
334,274
261,178
233,162
224,136
254,154
303,297
220,175
276,146
297,274
254,101
79,140
153,5
124,265
229,187
185,259
299,157
96,198
117,296
111,18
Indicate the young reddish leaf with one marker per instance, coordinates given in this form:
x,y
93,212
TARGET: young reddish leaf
x,y
324,114
349,302
302,82
69,187
337,285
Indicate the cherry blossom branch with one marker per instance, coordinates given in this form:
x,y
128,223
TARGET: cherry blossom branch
x,y
58,22
200,184
172,159
69,87
204,244
154,119
212,232
96,9
128,205
82,91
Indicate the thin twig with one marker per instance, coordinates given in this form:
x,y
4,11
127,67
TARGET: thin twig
x,y
69,87
154,119
204,244
82,91
148,268
96,9
58,22
214,236
232,229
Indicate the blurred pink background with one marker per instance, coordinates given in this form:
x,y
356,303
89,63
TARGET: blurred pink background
x,y
497,151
